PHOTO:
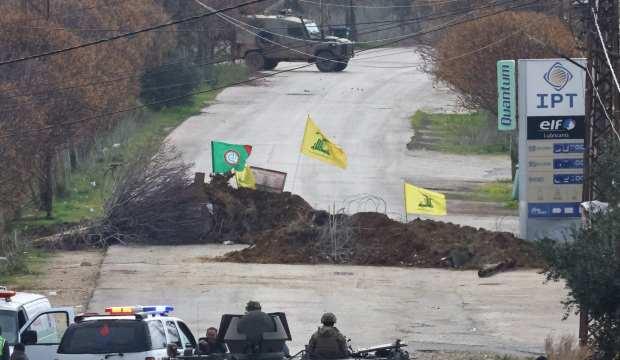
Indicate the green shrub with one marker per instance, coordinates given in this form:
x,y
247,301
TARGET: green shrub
x,y
173,82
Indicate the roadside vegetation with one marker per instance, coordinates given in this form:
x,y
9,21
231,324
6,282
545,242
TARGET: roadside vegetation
x,y
471,133
513,35
90,186
70,123
590,265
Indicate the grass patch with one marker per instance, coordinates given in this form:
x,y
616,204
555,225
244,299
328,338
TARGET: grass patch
x,y
499,192
472,133
89,186
24,276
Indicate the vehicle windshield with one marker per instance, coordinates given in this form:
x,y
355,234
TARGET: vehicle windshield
x,y
313,30
105,337
8,323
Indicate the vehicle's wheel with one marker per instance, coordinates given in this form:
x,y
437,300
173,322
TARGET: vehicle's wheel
x,y
326,61
270,64
341,65
255,61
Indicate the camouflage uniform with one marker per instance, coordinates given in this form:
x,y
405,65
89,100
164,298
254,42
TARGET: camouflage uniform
x,y
327,342
255,322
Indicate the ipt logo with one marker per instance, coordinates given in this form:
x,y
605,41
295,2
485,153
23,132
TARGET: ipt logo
x,y
561,97
558,76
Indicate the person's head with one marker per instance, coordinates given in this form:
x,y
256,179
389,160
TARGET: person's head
x,y
172,350
252,306
541,358
328,319
19,347
211,334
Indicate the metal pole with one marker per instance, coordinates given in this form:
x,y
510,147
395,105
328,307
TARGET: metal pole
x,y
322,20
600,85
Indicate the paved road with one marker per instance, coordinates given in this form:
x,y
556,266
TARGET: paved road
x,y
365,109
428,308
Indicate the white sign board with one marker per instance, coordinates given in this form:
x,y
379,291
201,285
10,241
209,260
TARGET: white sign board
x,y
551,146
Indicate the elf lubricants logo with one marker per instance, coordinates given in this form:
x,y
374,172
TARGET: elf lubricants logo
x,y
555,127
566,124
558,76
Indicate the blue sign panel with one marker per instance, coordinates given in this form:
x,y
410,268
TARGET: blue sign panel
x,y
568,163
574,148
553,210
568,179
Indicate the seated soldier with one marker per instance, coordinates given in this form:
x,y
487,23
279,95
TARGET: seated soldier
x,y
327,342
209,344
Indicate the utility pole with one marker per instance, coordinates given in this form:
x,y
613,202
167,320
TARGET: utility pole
x,y
352,21
322,20
602,99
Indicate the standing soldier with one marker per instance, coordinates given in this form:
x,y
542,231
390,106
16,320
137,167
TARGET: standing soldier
x,y
327,342
4,347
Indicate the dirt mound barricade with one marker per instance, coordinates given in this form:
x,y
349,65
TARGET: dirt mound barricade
x,y
374,239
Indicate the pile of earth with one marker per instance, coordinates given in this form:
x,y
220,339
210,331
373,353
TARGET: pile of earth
x,y
284,228
374,239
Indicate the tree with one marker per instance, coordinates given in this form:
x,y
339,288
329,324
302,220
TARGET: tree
x,y
56,101
591,264
466,55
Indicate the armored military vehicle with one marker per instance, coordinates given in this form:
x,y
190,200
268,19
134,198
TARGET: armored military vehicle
x,y
257,344
276,38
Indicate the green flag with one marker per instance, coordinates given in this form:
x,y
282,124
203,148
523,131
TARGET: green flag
x,y
226,157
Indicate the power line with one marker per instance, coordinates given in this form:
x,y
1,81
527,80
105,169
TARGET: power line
x,y
238,22
218,62
457,23
590,78
128,34
262,30
69,123
142,106
604,47
400,22
424,3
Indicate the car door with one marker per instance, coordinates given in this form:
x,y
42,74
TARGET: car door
x,y
187,338
42,332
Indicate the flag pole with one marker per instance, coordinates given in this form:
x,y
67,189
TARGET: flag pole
x,y
405,198
299,157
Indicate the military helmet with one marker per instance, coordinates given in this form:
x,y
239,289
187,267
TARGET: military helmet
x,y
252,306
328,318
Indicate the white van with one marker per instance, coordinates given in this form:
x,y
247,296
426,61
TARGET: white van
x,y
30,319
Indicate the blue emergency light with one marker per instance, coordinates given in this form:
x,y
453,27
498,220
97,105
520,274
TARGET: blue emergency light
x,y
157,309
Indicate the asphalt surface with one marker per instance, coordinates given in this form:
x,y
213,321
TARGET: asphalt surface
x,y
366,110
430,309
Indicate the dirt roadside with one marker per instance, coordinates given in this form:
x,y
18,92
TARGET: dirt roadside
x,y
67,278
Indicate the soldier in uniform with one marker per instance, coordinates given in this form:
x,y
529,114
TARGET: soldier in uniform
x,y
4,347
327,342
255,321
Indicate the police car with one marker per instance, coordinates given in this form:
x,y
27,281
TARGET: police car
x,y
30,318
125,332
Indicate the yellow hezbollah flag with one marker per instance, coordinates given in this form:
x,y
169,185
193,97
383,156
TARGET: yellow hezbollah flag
x,y
245,178
318,146
422,201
